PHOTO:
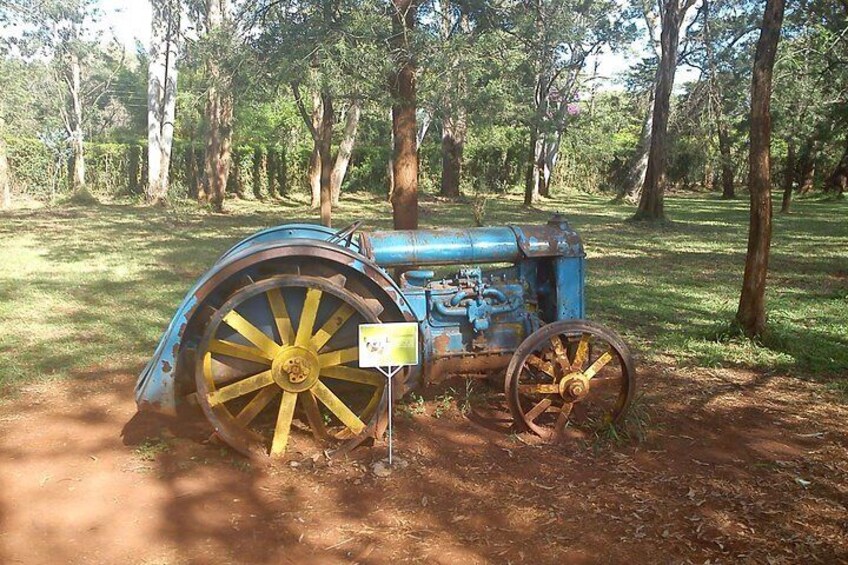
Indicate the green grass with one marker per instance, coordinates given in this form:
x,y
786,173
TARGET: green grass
x,y
90,289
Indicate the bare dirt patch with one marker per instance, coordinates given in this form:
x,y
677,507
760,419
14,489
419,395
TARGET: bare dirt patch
x,y
734,466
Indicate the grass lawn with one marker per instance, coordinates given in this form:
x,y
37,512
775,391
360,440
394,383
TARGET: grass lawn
x,y
84,288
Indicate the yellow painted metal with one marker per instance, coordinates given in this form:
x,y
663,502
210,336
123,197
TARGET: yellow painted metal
x,y
331,326
599,364
543,366
373,404
307,317
207,371
581,354
538,409
281,315
284,420
338,357
242,387
539,388
256,405
313,415
251,333
353,375
296,368
239,351
337,407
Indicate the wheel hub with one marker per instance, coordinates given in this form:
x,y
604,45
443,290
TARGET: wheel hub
x,y
295,368
573,387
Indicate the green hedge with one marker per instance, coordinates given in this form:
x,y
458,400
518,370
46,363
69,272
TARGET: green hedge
x,y
40,169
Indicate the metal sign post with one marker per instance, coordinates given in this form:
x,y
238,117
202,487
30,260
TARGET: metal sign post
x,y
388,348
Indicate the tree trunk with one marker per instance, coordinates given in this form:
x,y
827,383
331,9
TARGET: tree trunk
x,y
454,130
133,169
788,178
651,199
260,166
634,178
751,314
235,182
218,114
531,177
193,177
728,190
161,98
345,149
402,86
272,172
808,166
77,136
283,173
325,140
314,174
5,181
550,155
838,180
390,165
533,174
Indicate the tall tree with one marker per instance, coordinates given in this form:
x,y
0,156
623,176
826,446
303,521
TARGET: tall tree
x,y
404,129
217,45
557,37
354,110
751,314
325,52
456,48
5,181
62,31
161,95
672,15
716,95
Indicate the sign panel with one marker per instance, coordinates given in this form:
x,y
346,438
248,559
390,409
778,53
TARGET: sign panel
x,y
388,345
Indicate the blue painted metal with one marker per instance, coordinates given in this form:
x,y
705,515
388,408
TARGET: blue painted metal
x,y
471,320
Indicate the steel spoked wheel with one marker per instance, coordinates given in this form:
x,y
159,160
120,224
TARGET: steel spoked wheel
x,y
570,378
276,369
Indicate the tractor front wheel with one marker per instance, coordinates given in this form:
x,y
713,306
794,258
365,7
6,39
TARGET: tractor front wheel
x,y
570,379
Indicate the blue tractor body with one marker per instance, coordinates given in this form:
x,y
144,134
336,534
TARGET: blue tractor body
x,y
512,280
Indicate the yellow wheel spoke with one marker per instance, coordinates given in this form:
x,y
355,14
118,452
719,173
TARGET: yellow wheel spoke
x,y
543,366
256,405
251,333
538,409
353,375
337,407
562,420
539,389
581,354
372,404
332,325
244,386
284,420
310,406
307,317
281,315
338,357
207,371
556,341
599,364
238,351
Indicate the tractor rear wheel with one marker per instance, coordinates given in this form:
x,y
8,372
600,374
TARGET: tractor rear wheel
x,y
276,369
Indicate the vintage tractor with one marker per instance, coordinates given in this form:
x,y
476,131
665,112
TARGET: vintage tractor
x,y
266,341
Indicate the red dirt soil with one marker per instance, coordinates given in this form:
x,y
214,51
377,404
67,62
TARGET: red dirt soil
x,y
734,466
